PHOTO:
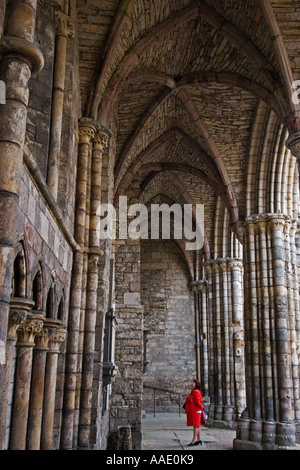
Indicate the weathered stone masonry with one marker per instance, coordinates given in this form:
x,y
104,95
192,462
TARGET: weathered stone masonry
x,y
165,103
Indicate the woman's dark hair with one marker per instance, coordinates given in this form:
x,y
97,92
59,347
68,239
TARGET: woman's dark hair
x,y
197,384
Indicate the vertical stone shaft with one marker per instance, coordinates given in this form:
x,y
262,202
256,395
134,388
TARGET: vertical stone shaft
x,y
86,134
201,325
27,332
226,339
15,320
271,329
295,339
238,349
204,328
63,32
99,143
282,320
251,308
55,341
195,289
208,270
218,343
37,391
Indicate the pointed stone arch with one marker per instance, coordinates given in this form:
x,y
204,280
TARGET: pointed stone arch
x,y
19,278
37,286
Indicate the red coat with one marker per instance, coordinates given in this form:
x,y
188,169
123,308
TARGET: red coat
x,y
194,402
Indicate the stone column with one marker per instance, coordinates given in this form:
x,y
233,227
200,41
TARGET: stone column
x,y
201,325
16,318
211,338
204,322
87,129
227,343
100,142
20,58
195,289
271,417
218,342
37,390
225,333
235,267
26,335
64,30
56,339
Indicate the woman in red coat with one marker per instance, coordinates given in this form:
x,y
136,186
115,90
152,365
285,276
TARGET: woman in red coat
x,y
193,409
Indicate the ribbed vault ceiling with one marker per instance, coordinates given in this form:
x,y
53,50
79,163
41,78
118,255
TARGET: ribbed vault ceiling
x,y
181,80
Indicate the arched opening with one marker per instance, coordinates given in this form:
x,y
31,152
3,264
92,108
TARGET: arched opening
x,y
19,276
37,290
61,307
50,313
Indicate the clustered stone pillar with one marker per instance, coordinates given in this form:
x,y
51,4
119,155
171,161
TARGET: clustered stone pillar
x,y
37,391
27,379
201,327
83,299
100,143
27,332
16,318
87,129
55,340
64,30
271,419
225,339
20,57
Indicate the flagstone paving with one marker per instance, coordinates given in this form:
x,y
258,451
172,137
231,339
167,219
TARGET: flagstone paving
x,y
168,431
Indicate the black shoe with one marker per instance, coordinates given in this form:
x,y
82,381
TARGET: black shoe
x,y
198,443
192,444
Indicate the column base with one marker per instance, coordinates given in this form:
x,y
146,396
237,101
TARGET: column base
x,y
239,444
264,435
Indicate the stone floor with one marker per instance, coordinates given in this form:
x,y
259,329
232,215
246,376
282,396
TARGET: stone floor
x,y
168,431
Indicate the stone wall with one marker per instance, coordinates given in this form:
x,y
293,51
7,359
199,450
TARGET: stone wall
x,y
44,237
169,325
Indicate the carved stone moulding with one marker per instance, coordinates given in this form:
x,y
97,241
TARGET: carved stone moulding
x,y
18,47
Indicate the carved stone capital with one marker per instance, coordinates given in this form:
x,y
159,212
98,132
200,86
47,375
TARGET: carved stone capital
x,y
64,25
239,230
101,140
28,330
42,340
198,286
87,130
235,263
276,222
16,318
56,339
261,225
293,142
